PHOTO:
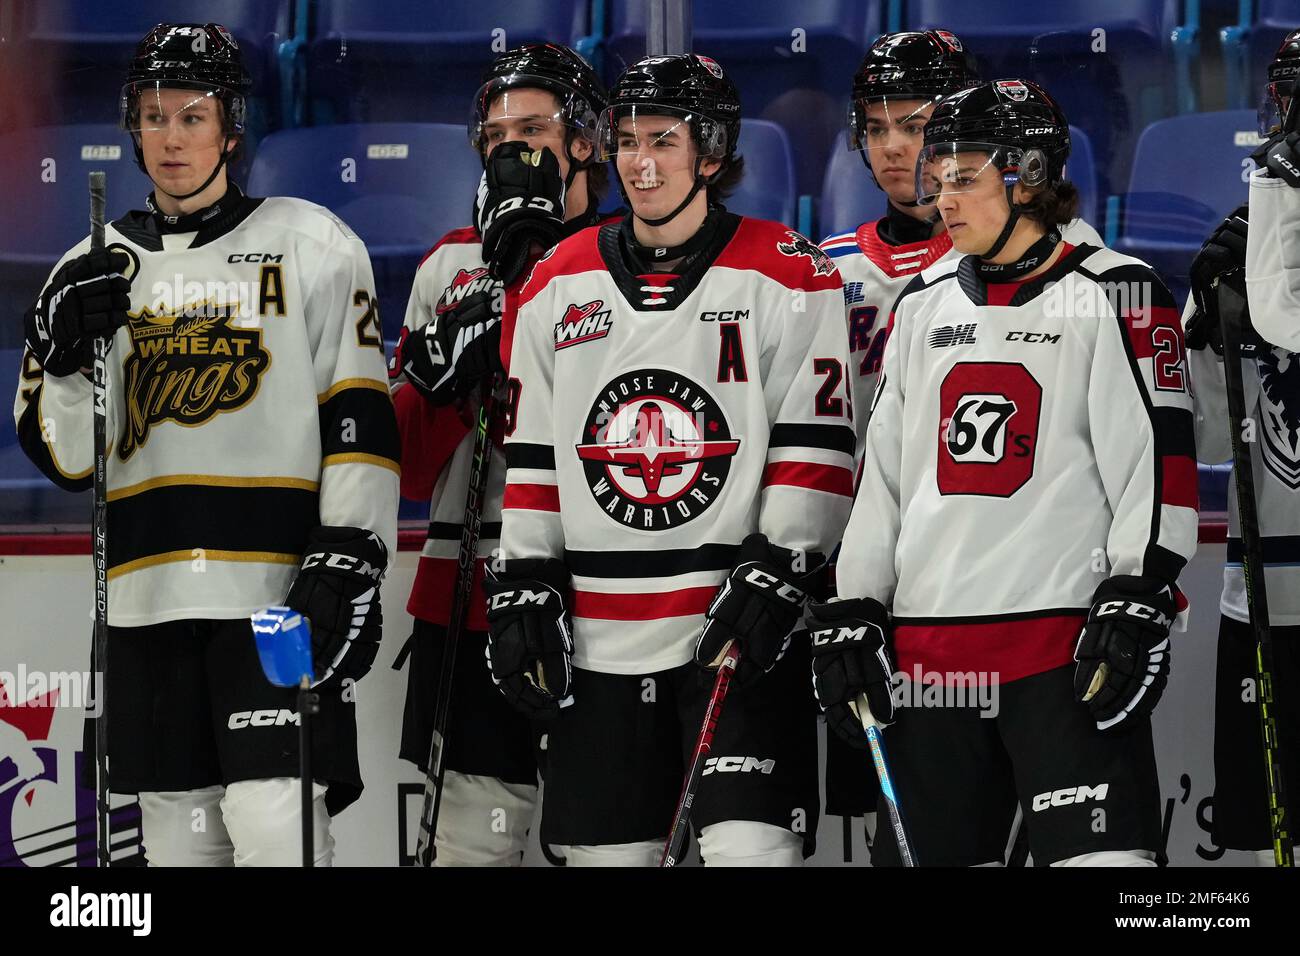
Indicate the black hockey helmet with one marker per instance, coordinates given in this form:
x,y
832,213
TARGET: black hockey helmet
x,y
1281,78
1015,124
925,66
203,57
690,87
542,66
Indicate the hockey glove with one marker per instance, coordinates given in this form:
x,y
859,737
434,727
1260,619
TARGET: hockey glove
x,y
1281,157
530,642
455,351
1222,256
758,605
337,590
1123,651
520,201
89,296
850,657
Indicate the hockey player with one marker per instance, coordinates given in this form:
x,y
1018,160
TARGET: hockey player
x,y
539,100
680,459
1272,390
1027,501
252,461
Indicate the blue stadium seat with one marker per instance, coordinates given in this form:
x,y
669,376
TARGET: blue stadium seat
x,y
849,197
767,190
798,79
1188,173
82,48
43,177
412,60
399,186
1110,94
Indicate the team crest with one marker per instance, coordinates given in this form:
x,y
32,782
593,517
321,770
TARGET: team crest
x,y
582,323
800,246
467,283
188,366
657,450
950,39
1013,90
711,65
1279,405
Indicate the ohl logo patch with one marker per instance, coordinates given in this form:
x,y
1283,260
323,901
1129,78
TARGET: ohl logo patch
x,y
659,450
186,367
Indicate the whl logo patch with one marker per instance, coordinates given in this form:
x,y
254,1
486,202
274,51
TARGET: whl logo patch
x,y
582,323
467,283
658,449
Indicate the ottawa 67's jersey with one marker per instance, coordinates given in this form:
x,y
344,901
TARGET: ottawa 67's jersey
x,y
875,273
1027,441
662,418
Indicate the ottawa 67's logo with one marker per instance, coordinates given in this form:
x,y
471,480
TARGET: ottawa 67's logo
x,y
657,449
988,429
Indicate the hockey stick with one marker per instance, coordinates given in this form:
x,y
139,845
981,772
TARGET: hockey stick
x,y
863,713
704,743
1230,309
99,541
465,564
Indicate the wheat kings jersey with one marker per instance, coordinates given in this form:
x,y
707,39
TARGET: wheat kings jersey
x,y
1273,260
1271,383
247,404
875,272
663,417
1027,440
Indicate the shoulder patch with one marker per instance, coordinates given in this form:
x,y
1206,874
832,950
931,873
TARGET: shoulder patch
x,y
796,245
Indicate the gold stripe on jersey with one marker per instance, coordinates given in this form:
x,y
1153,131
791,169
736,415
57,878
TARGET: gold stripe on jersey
x,y
346,383
215,481
361,458
206,554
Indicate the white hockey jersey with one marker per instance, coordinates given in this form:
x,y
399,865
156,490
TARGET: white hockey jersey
x,y
875,272
1273,260
1028,440
662,418
1272,391
247,404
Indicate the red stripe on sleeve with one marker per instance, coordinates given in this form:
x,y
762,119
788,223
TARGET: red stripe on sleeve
x,y
650,606
1179,487
805,474
531,498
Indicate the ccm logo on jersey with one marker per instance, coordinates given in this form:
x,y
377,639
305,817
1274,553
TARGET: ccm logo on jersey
x,y
1143,612
946,335
1046,338
730,315
738,765
583,323
843,635
261,718
343,562
256,257
1069,795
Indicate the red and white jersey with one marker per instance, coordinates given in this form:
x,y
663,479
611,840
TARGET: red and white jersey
x,y
1028,440
875,272
662,418
1271,383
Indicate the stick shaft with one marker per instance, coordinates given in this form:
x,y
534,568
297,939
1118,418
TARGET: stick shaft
x,y
99,541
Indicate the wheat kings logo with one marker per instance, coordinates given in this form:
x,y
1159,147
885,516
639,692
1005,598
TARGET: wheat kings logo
x,y
186,367
658,450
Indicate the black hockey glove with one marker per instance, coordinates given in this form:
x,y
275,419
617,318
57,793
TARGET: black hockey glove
x,y
1281,157
530,642
520,201
1123,651
850,657
337,590
456,350
89,296
758,605
1222,256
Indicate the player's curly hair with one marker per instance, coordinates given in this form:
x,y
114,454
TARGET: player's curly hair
x,y
1053,205
728,180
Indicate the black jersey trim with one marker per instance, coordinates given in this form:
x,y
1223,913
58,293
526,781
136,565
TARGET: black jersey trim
x,y
1278,549
360,421
652,564
450,531
1175,431
615,255
32,439
525,455
832,437
990,618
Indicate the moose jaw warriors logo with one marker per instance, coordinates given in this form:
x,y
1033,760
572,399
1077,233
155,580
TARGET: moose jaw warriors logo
x,y
1013,90
1279,405
659,449
799,246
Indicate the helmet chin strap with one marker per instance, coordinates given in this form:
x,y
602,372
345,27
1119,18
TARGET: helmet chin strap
x,y
225,156
1010,226
700,183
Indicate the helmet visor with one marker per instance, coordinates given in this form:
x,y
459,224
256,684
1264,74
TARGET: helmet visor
x,y
889,122
654,126
1273,105
976,169
158,105
520,107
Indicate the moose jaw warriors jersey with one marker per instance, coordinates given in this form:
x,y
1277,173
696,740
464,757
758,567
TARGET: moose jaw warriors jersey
x,y
662,418
1027,441
247,404
875,272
